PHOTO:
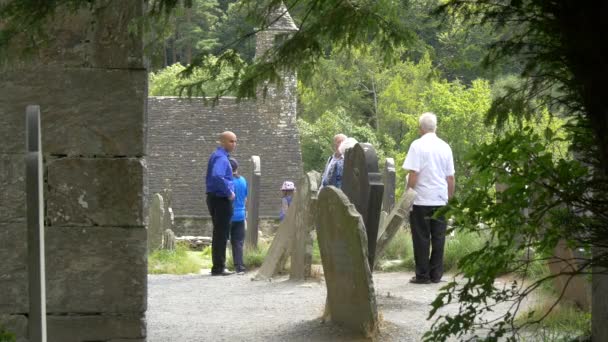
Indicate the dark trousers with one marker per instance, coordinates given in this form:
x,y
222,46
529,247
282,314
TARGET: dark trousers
x,y
428,232
220,209
237,240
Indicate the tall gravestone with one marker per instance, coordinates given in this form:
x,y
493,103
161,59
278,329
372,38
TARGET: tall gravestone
x,y
351,300
305,211
35,227
390,181
156,220
253,203
362,184
91,84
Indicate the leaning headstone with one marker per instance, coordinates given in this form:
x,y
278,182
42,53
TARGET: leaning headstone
x,y
304,206
253,203
281,245
351,300
168,240
155,223
362,184
390,181
35,227
399,216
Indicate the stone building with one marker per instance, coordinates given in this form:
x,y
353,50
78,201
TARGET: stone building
x,y
182,133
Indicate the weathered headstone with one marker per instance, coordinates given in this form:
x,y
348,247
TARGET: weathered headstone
x,y
253,203
304,206
168,217
351,300
362,184
575,289
399,216
155,223
390,181
35,227
168,240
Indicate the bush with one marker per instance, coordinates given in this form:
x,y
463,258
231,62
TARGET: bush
x,y
564,323
6,336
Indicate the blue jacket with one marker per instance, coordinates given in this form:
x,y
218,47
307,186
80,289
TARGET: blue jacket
x,y
219,174
240,193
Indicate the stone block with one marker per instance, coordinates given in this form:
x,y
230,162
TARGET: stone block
x,y
13,268
105,35
96,328
95,192
96,269
87,112
12,186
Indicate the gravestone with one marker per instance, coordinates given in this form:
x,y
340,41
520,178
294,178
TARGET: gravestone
x,y
155,224
362,184
253,203
399,216
575,289
168,240
168,217
389,185
305,211
351,300
35,227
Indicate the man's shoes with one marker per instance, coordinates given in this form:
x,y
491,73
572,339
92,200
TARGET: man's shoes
x,y
435,281
415,280
223,273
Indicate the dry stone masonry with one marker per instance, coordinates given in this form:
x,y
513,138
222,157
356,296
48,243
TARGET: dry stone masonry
x,y
90,83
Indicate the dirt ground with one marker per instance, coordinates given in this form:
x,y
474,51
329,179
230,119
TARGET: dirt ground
x,y
235,308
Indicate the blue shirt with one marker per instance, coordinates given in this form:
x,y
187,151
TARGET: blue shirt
x,y
240,195
285,203
219,174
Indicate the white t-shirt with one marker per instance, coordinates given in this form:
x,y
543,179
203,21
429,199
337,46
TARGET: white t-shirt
x,y
431,158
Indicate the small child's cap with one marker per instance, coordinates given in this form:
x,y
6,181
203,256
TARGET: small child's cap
x,y
287,185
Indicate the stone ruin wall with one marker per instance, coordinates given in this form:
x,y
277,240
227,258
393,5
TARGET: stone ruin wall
x,y
91,84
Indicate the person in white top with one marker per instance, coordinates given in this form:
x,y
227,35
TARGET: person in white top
x,y
431,174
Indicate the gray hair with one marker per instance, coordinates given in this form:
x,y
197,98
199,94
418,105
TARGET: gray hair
x,y
428,122
346,144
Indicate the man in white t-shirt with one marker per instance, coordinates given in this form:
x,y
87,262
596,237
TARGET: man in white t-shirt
x,y
431,174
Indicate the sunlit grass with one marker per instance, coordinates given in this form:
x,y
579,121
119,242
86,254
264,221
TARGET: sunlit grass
x,y
179,261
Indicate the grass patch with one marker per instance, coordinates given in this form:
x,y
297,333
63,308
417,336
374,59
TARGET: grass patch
x,y
564,323
179,261
252,258
456,247
6,336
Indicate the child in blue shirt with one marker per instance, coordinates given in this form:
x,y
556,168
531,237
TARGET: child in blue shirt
x,y
287,188
237,226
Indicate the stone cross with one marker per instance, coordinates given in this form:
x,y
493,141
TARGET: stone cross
x,y
351,300
35,227
398,216
155,223
253,203
362,184
389,185
305,211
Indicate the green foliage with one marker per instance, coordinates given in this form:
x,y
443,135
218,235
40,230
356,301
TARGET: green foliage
x,y
564,322
555,191
6,336
179,261
252,258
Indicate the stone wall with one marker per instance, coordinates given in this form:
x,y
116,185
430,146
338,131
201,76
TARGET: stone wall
x,y
91,85
182,133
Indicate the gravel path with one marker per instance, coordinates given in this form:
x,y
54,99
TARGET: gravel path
x,y
234,308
